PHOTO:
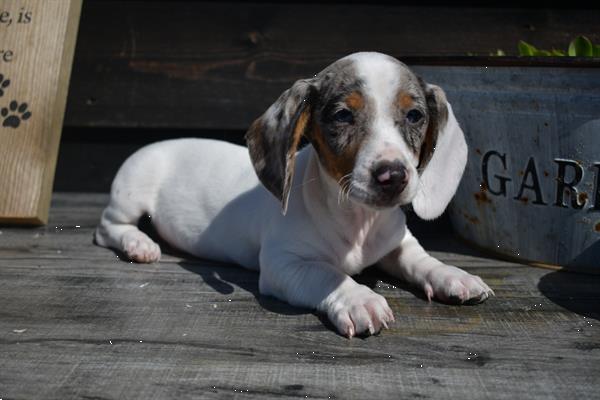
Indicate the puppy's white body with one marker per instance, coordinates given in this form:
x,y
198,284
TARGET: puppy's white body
x,y
204,197
229,221
214,210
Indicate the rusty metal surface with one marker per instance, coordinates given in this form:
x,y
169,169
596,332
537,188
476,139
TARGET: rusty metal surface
x,y
531,186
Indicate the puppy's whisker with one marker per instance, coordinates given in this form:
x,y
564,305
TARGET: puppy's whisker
x,y
345,193
344,178
343,183
350,187
347,187
341,194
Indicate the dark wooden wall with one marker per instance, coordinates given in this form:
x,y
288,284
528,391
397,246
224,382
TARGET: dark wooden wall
x,y
150,70
217,65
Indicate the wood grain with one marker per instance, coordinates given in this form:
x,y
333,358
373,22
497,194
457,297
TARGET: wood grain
x,y
39,74
77,322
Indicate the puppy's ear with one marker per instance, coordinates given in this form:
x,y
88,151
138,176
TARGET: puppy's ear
x,y
443,157
274,137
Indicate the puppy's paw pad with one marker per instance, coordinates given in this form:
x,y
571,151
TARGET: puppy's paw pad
x,y
140,248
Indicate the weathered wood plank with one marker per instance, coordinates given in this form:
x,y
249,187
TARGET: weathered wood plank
x,y
85,324
219,65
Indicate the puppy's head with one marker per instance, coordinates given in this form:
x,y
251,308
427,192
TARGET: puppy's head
x,y
380,131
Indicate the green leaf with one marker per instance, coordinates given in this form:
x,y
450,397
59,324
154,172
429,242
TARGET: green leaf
x,y
581,47
597,51
542,53
558,53
525,49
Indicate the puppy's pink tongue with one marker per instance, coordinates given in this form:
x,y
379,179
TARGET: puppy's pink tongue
x,y
384,177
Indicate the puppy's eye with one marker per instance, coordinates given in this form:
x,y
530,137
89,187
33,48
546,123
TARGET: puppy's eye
x,y
414,116
344,116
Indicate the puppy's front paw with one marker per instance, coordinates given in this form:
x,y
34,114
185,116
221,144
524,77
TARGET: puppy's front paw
x,y
140,248
357,310
453,285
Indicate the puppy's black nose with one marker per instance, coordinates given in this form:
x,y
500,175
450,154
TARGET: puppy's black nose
x,y
390,176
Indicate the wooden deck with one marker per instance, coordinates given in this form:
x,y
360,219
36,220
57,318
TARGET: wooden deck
x,y
78,322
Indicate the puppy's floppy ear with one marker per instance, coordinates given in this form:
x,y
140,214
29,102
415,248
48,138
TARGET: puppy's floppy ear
x,y
274,137
443,157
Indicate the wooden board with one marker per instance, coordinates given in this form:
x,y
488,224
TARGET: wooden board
x,y
77,322
218,65
37,41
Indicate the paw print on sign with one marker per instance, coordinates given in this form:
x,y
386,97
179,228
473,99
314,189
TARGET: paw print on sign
x,y
14,114
3,84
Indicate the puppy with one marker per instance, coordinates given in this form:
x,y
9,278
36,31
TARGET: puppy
x,y
379,138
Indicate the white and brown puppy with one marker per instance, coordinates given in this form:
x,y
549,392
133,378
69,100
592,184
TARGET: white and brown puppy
x,y
379,138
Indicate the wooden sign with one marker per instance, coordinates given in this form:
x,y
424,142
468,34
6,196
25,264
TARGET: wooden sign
x,y
37,40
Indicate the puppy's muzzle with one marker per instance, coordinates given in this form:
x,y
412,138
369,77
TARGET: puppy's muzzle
x,y
389,177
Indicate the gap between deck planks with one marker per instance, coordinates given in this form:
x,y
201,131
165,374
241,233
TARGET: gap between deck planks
x,y
76,322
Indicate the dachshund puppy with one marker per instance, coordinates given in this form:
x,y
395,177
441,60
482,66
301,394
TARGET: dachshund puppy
x,y
379,138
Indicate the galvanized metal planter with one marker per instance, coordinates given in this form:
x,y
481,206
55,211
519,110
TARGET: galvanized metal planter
x,y
531,189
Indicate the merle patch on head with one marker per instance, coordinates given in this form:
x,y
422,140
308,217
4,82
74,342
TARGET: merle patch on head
x,y
340,115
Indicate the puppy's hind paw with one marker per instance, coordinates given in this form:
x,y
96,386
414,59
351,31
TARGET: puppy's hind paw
x,y
140,248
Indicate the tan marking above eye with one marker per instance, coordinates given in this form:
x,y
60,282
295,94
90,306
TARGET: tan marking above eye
x,y
355,101
405,100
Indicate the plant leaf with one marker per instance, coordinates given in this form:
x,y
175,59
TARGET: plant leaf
x,y
581,47
597,50
540,53
525,49
558,53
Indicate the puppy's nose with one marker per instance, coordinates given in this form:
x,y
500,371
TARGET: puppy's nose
x,y
390,175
